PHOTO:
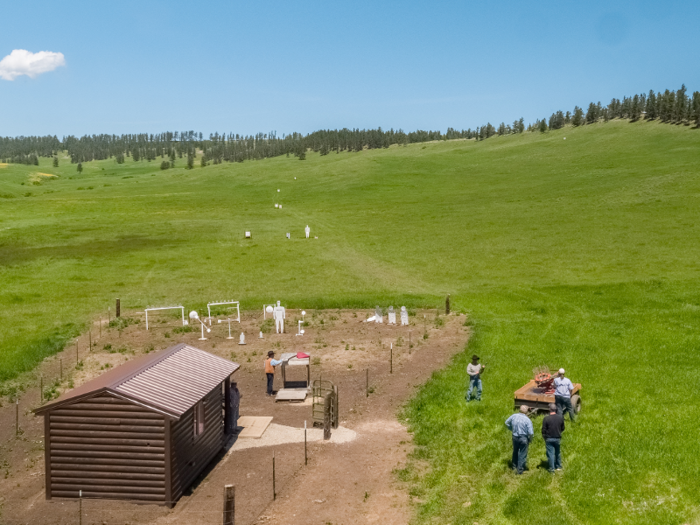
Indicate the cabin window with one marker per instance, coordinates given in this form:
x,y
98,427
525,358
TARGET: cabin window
x,y
199,418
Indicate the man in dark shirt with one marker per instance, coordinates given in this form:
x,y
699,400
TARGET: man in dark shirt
x,y
552,427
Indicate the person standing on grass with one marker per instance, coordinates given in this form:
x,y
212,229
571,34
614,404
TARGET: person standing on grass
x,y
270,364
521,427
474,370
562,394
552,427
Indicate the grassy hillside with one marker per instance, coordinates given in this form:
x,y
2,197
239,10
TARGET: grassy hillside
x,y
579,253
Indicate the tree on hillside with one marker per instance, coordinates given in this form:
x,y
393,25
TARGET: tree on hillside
x,y
136,154
635,111
592,113
680,113
651,106
557,120
577,119
696,108
55,162
80,167
543,125
190,161
203,161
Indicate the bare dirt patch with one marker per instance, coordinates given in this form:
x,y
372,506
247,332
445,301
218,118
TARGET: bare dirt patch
x,y
347,480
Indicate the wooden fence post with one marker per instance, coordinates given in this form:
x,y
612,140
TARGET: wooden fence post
x,y
447,305
16,416
274,491
336,411
229,505
327,400
366,382
306,457
391,359
119,308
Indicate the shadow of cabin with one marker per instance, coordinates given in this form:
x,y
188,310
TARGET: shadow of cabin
x,y
143,431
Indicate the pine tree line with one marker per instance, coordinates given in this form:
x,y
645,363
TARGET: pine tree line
x,y
672,107
675,107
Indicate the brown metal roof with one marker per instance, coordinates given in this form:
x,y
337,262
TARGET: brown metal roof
x,y
171,381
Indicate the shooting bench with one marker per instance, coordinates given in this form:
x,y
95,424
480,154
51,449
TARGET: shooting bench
x,y
294,390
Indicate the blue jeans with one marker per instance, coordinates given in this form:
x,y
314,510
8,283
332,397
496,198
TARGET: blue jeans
x,y
553,453
520,446
474,382
270,381
563,406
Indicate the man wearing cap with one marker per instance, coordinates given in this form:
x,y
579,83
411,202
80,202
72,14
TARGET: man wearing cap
x,y
552,427
270,364
521,427
562,394
474,369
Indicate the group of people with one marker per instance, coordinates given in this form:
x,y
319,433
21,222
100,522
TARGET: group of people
x,y
520,424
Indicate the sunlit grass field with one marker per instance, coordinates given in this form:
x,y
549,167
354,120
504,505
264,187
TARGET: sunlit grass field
x,y
579,252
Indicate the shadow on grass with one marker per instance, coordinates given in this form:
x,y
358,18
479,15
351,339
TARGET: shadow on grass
x,y
16,254
544,464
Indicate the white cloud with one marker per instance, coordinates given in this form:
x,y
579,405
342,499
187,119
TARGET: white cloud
x,y
23,62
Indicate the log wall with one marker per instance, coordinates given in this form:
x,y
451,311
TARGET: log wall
x,y
191,454
108,448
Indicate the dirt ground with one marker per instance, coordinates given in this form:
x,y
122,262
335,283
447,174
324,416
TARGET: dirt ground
x,y
345,482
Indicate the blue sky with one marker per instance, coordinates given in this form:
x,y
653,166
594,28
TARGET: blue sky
x,y
245,67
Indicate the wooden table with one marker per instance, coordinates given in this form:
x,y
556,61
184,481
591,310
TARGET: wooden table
x,y
537,400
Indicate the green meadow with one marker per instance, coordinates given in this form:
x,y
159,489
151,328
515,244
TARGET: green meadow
x,y
575,248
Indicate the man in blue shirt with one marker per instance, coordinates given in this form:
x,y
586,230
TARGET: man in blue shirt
x,y
521,427
562,395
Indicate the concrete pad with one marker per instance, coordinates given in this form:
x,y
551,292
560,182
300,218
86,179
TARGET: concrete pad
x,y
289,394
253,427
281,435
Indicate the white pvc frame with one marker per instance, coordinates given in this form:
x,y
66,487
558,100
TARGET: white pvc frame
x,y
265,306
184,323
238,309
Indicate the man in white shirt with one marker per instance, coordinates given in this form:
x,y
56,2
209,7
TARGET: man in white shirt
x,y
474,370
563,387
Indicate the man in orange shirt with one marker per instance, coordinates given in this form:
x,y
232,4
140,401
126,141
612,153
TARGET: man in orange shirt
x,y
270,364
